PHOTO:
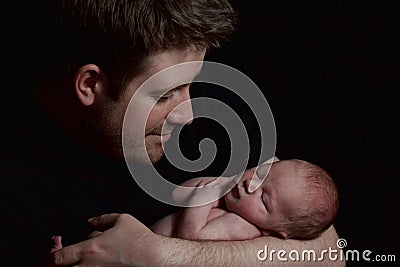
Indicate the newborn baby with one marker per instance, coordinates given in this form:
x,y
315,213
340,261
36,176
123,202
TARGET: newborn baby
x,y
296,200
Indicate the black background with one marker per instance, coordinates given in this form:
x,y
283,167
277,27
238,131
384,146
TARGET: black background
x,y
329,71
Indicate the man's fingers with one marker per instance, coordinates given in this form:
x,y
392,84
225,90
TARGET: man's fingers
x,y
57,244
68,255
103,222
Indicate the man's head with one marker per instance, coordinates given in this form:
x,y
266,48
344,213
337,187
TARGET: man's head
x,y
107,49
296,200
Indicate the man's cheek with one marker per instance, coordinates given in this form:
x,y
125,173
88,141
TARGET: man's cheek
x,y
154,118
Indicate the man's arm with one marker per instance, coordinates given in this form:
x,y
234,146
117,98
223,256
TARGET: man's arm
x,y
246,253
127,242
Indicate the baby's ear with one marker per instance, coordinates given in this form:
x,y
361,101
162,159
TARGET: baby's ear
x,y
283,235
267,232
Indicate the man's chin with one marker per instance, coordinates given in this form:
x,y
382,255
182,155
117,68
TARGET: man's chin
x,y
155,153
144,155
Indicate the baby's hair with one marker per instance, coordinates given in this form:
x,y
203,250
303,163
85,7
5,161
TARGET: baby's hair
x,y
320,207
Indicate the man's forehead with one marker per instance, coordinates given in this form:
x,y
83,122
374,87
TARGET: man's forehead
x,y
169,69
174,76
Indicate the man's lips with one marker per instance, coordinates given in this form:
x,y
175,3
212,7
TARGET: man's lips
x,y
165,137
157,137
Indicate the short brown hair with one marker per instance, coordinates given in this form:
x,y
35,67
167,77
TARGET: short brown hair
x,y
120,35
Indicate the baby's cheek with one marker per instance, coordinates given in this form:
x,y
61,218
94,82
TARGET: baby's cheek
x,y
245,207
252,207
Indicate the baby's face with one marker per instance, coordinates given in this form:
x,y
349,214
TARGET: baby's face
x,y
271,202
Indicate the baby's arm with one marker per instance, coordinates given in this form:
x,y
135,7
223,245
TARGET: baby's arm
x,y
192,221
207,222
167,225
189,192
197,218
222,225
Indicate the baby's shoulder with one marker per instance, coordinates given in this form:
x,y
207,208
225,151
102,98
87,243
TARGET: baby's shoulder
x,y
217,212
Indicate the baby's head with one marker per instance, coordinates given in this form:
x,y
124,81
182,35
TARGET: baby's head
x,y
297,199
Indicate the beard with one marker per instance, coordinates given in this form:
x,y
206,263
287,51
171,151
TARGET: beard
x,y
154,148
154,151
105,132
102,132
147,149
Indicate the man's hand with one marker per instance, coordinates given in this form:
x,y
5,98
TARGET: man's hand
x,y
124,242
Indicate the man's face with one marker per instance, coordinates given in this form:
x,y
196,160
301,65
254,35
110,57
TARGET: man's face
x,y
152,109
270,203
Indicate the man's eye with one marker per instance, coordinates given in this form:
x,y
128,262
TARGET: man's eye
x,y
164,98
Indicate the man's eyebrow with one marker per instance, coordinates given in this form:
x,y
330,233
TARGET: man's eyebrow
x,y
169,88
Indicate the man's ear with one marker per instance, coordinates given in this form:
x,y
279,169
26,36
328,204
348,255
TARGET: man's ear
x,y
90,83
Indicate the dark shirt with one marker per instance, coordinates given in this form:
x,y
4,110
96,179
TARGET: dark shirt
x,y
51,186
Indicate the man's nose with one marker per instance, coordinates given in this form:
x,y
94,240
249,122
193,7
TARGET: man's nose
x,y
182,112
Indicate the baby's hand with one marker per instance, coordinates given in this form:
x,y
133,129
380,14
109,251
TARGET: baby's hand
x,y
208,191
204,182
202,190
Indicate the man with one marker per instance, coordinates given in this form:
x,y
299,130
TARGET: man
x,y
105,51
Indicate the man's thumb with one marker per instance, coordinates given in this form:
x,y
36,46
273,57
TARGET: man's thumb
x,y
103,222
